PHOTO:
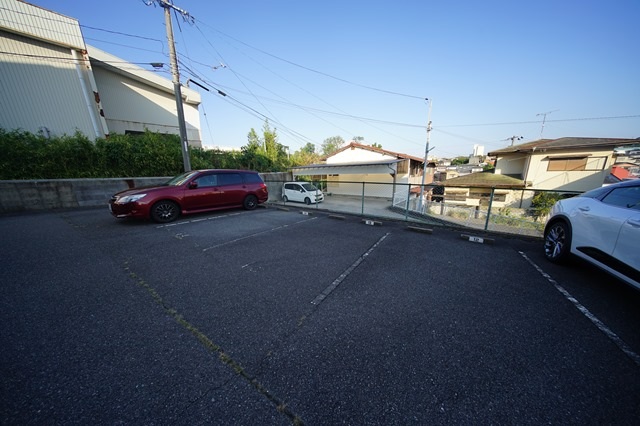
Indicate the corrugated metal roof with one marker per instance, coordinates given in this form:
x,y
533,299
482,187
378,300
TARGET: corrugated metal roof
x,y
35,22
340,165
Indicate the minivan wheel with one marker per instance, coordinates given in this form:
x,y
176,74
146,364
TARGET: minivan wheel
x,y
250,202
165,211
557,242
307,201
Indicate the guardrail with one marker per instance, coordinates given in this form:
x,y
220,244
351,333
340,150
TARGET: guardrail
x,y
500,209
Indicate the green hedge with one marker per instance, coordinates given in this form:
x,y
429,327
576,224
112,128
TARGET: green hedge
x,y
24,155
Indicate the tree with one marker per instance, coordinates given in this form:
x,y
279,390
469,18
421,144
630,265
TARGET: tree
x,y
309,148
305,155
376,145
270,139
542,203
265,153
331,145
254,143
459,160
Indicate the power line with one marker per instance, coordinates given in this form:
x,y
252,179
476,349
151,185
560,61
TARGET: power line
x,y
306,110
316,71
123,34
538,121
71,60
126,45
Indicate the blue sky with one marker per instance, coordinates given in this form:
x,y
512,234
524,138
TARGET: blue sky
x,y
363,68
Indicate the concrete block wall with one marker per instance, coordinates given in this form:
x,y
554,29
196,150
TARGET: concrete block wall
x,y
28,195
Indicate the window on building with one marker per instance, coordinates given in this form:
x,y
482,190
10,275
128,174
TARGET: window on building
x,y
566,164
581,163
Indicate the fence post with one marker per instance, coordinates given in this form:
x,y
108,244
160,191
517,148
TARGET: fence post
x,y
362,211
486,224
406,210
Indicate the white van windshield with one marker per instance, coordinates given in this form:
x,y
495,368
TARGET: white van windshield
x,y
309,187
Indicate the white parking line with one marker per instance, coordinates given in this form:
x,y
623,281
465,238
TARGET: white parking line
x,y
601,326
346,273
185,222
256,234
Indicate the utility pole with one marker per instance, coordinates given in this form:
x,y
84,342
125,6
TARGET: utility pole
x,y
544,119
513,139
426,156
184,143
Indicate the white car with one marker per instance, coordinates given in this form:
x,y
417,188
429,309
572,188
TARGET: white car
x,y
303,192
601,226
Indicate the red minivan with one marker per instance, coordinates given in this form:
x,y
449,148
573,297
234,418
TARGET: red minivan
x,y
191,192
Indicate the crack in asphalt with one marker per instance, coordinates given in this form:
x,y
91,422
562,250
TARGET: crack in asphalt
x,y
214,348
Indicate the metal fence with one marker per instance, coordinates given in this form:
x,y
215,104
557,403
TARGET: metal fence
x,y
507,210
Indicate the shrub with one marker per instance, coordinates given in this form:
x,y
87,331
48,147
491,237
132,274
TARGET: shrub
x,y
543,202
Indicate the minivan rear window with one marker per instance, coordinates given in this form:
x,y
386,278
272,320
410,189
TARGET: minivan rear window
x,y
252,178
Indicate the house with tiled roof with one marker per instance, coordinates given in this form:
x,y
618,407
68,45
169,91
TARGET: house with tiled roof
x,y
476,189
383,172
564,164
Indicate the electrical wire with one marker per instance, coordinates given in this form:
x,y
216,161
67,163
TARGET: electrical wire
x,y
252,111
69,59
237,74
540,121
125,45
313,70
121,33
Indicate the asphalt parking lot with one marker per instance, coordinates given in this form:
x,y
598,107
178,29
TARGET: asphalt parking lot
x,y
276,317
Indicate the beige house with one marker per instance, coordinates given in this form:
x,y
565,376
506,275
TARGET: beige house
x,y
358,169
475,190
565,164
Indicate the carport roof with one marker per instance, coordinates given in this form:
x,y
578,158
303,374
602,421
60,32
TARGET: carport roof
x,y
340,165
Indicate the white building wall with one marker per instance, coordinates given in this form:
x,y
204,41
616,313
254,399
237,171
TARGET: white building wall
x,y
373,185
130,104
478,150
599,164
40,88
511,165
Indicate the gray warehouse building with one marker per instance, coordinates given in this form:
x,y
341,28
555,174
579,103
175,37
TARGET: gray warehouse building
x,y
53,82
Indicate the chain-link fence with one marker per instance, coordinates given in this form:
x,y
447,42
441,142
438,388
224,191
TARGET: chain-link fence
x,y
509,210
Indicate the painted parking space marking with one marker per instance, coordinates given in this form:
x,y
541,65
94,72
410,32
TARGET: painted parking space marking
x,y
257,234
601,326
186,222
346,273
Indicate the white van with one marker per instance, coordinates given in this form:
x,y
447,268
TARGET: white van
x,y
302,192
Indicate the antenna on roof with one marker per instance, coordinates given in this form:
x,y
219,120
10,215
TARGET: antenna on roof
x,y
513,139
544,119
